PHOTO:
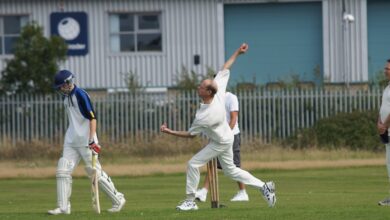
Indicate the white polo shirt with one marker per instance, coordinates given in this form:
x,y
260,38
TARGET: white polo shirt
x,y
80,111
210,119
231,105
385,106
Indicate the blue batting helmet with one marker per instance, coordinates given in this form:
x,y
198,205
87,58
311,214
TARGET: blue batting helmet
x,y
62,77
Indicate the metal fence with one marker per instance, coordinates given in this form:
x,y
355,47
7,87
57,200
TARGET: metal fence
x,y
264,114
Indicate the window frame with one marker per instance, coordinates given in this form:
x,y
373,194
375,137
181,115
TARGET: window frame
x,y
136,32
2,32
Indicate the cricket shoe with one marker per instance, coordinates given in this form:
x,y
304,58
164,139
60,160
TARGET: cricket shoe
x,y
187,205
201,195
385,202
271,186
241,196
58,211
268,193
117,207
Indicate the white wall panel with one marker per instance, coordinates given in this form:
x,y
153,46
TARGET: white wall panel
x,y
345,44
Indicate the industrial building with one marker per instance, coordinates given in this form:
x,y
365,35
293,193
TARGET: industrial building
x,y
331,41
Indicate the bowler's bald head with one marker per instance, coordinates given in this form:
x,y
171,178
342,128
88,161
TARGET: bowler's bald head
x,y
211,85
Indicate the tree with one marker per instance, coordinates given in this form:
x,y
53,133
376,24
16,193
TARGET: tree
x,y
35,62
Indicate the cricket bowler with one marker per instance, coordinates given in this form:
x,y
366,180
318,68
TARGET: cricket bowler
x,y
210,120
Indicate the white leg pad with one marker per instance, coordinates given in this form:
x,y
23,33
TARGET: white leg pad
x,y
64,183
108,188
388,160
106,185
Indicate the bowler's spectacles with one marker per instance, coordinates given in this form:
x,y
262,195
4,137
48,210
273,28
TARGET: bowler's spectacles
x,y
387,68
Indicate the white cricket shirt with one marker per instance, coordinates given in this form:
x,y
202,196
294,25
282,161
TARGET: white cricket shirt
x,y
210,119
231,105
79,110
385,106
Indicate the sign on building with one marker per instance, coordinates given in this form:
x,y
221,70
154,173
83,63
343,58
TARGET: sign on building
x,y
73,28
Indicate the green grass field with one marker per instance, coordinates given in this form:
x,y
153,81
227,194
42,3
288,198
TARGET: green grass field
x,y
344,193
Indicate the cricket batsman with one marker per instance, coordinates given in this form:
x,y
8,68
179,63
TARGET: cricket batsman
x,y
383,126
80,143
210,120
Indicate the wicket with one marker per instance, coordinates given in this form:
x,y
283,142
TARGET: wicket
x,y
213,182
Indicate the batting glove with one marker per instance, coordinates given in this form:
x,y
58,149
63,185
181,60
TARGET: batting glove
x,y
95,148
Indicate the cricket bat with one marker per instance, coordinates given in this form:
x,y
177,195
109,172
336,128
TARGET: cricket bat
x,y
95,186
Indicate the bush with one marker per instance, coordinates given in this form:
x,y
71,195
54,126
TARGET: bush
x,y
35,62
356,130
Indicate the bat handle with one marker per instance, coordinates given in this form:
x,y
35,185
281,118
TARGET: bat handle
x,y
94,158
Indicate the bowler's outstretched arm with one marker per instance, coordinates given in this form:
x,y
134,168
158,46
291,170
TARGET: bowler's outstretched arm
x,y
185,134
242,49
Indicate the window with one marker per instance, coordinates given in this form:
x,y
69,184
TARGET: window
x,y
135,32
10,28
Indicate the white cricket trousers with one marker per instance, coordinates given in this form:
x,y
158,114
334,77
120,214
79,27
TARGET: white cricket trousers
x,y
74,154
224,152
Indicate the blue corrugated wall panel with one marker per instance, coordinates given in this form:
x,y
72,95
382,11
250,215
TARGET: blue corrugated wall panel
x,y
378,22
285,39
